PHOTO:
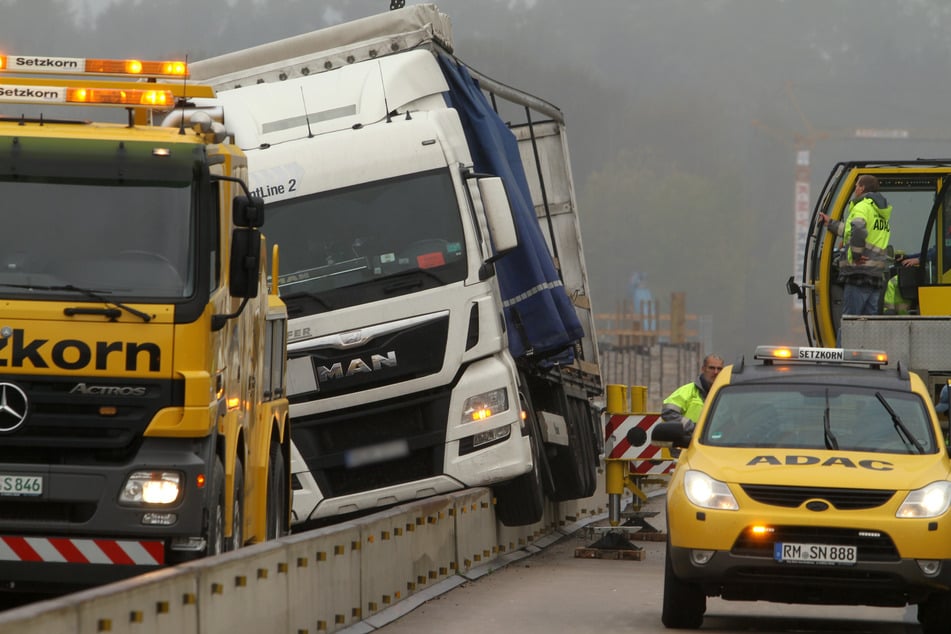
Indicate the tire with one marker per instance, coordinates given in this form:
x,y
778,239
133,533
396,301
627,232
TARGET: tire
x,y
934,614
277,498
215,530
574,468
237,508
684,603
521,501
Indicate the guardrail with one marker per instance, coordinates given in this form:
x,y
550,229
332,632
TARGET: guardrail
x,y
323,580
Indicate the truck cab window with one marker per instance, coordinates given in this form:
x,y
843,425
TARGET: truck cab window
x,y
129,241
359,236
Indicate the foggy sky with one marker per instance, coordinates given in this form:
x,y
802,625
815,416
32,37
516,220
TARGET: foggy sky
x,y
658,93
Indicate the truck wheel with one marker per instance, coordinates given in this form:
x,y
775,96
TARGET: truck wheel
x,y
934,614
237,509
215,533
521,501
277,498
684,603
573,468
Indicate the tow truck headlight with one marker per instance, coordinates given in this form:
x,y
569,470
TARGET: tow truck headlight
x,y
152,487
708,493
928,501
482,406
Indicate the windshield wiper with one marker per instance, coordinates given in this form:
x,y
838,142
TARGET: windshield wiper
x,y
111,313
831,442
900,424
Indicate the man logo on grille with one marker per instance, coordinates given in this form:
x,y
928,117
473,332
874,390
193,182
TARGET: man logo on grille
x,y
13,407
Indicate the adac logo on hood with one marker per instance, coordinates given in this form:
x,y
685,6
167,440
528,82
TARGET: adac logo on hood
x,y
793,460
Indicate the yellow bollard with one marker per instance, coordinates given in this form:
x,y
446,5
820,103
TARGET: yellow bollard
x,y
615,470
638,399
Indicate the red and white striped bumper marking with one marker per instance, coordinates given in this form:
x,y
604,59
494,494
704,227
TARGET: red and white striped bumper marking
x,y
615,436
618,447
652,467
82,551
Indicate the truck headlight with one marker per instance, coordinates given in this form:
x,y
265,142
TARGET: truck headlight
x,y
152,487
482,406
708,493
928,501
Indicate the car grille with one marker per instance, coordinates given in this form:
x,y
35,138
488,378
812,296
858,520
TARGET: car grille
x,y
872,545
842,499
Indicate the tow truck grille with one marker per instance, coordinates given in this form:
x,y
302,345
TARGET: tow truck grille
x,y
65,426
842,499
872,545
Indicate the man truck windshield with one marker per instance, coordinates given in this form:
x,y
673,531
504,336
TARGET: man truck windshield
x,y
372,241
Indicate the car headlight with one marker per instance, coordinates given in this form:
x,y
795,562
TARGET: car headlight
x,y
708,493
152,487
928,501
482,406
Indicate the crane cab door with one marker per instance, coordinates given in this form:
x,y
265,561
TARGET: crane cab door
x,y
934,274
915,191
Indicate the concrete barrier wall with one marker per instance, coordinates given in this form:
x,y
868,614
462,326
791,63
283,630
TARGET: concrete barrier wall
x,y
324,580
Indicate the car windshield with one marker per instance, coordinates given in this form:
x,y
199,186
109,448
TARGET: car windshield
x,y
368,242
128,240
845,418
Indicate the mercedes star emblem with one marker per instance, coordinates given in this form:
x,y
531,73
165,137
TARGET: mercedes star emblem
x,y
13,407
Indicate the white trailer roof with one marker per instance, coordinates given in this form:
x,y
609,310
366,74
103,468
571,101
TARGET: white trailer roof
x,y
329,48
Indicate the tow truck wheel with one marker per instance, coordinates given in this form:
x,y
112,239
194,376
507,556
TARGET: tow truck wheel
x,y
276,494
237,509
934,614
684,603
215,534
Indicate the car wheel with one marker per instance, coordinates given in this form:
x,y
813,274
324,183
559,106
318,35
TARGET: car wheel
x,y
934,614
684,603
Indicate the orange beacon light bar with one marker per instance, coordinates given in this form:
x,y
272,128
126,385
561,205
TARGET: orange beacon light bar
x,y
40,64
61,95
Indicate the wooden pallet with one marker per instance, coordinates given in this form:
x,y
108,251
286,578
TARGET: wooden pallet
x,y
605,553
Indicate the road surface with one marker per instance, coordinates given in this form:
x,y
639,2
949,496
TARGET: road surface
x,y
555,591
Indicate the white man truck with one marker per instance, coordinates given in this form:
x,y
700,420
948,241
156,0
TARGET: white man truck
x,y
143,406
441,333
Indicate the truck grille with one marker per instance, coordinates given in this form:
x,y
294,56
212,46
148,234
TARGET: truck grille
x,y
63,427
402,355
873,545
793,496
324,441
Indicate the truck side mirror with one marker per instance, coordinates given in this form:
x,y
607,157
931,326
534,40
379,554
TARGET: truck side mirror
x,y
498,214
248,211
245,265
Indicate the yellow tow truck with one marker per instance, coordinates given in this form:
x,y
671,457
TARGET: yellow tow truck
x,y
143,407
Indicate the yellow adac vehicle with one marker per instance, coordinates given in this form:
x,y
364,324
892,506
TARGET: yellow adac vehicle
x,y
814,476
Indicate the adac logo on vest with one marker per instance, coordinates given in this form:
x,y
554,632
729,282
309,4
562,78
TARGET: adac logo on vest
x,y
16,351
881,224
